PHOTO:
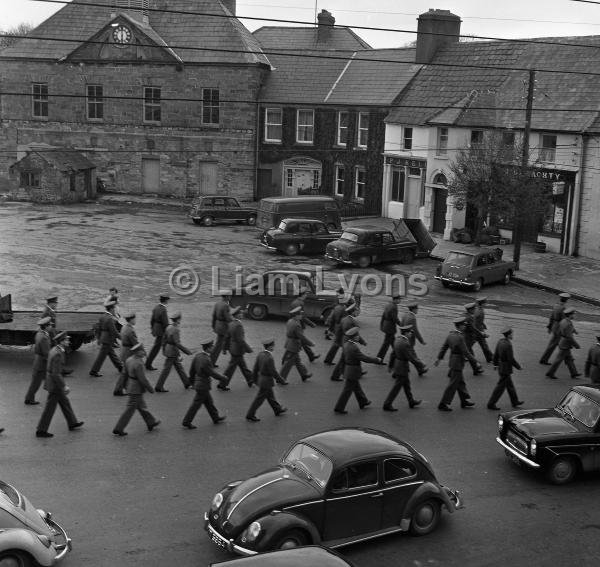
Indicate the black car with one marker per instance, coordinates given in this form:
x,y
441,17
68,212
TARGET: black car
x,y
293,236
333,488
308,556
212,209
560,441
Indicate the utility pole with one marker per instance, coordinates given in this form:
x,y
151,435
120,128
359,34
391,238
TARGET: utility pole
x,y
518,224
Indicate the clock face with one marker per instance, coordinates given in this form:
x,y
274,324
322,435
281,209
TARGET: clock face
x,y
121,34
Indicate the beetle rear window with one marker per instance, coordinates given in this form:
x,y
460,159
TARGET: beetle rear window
x,y
459,259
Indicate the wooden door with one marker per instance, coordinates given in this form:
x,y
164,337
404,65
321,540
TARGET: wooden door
x,y
150,175
439,210
207,178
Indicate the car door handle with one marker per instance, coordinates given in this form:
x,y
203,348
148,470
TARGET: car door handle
x,y
378,495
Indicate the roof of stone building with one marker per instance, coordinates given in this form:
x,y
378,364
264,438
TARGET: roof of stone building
x,y
63,160
485,84
283,37
205,33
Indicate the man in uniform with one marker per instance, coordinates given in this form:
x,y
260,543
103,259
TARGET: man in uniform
x,y
333,323
108,341
128,339
295,339
57,389
306,322
471,335
137,384
459,352
353,372
387,324
201,372
504,360
348,322
41,350
237,347
592,363
158,324
264,375
172,347
565,344
402,355
409,319
553,322
221,317
481,327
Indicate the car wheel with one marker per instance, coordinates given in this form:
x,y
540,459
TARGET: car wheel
x,y
15,559
562,470
425,518
257,312
478,285
331,226
291,249
445,284
408,257
76,342
197,221
364,262
251,220
208,221
291,539
507,277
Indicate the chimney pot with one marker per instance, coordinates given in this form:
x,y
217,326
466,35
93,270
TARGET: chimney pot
x,y
325,24
435,29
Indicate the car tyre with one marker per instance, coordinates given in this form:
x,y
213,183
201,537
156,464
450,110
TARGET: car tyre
x,y
76,342
291,539
257,311
364,262
208,221
562,470
425,517
478,285
291,249
15,559
251,220
197,221
507,277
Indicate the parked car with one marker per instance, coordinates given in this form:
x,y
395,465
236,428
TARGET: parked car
x,y
28,537
274,291
333,488
293,236
560,441
272,210
475,269
213,209
307,556
365,246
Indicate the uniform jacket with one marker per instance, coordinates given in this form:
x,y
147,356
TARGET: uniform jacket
x,y
470,329
479,318
49,312
128,339
459,352
54,379
348,321
295,338
159,320
402,354
41,350
172,342
108,329
264,372
409,318
299,302
237,344
335,317
556,317
503,357
221,317
566,330
592,364
137,383
202,370
389,319
352,361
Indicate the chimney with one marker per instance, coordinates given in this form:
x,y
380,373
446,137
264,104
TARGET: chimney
x,y
230,5
436,28
325,25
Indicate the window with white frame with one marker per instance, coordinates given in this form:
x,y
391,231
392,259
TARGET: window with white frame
x,y
305,126
290,178
30,179
476,137
340,176
152,104
210,106
273,124
398,180
39,92
342,130
442,141
408,138
360,182
95,102
363,129
548,147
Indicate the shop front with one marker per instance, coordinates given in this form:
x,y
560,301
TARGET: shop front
x,y
403,187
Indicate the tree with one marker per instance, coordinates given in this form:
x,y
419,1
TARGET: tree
x,y
21,30
488,176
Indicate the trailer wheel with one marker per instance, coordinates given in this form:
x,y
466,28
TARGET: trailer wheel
x,y
76,342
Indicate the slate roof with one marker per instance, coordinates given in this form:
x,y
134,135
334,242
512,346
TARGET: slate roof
x,y
495,96
80,22
63,160
283,37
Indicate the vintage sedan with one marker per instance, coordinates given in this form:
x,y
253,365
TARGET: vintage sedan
x,y
475,269
560,441
299,236
307,556
333,488
28,537
212,209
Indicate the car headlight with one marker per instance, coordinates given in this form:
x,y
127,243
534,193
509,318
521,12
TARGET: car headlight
x,y
217,501
500,423
253,531
533,447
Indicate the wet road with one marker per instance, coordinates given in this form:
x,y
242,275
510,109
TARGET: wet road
x,y
139,500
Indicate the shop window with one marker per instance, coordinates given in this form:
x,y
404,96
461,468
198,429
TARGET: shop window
x,y
442,141
210,106
273,124
554,216
398,181
39,100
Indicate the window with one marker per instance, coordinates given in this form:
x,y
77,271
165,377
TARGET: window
x,y
342,132
95,102
30,179
340,174
40,100
220,202
360,183
231,202
305,126
398,185
442,141
398,469
355,476
151,104
319,228
363,129
304,227
476,137
408,138
548,148
508,139
290,177
72,182
316,178
273,124
387,238
210,106
414,171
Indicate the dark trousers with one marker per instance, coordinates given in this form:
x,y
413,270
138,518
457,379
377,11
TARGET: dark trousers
x,y
217,348
331,353
457,384
399,383
309,352
291,359
264,394
170,362
237,361
470,341
154,351
106,350
351,387
54,399
564,354
504,383
338,370
38,374
552,344
135,402
485,348
388,342
201,397
121,381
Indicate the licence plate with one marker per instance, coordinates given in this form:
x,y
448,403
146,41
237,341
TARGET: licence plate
x,y
218,541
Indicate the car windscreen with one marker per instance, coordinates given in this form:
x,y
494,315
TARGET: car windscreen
x,y
350,236
576,406
308,461
459,259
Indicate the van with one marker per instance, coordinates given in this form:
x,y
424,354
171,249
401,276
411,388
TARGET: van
x,y
272,210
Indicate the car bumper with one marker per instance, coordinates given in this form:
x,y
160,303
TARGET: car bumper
x,y
268,247
453,281
455,498
519,456
338,260
62,548
223,542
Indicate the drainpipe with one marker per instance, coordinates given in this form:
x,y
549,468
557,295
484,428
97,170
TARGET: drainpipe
x,y
574,238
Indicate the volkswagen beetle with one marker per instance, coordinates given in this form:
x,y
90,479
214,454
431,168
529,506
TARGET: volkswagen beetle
x,y
333,488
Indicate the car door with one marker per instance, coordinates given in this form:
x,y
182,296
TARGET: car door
x,y
493,269
354,502
320,238
304,237
390,247
233,209
220,211
400,480
375,246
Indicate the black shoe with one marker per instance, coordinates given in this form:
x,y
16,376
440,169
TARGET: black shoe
x,y
477,372
119,433
252,418
414,403
66,371
575,376
189,426
315,357
305,378
220,419
284,383
363,372
151,368
444,407
282,410
119,393
467,404
328,363
495,408
545,362
342,411
424,371
337,380
160,390
1,429
367,403
75,426
153,425
223,388
44,434
551,376
31,403
389,408
95,374
517,404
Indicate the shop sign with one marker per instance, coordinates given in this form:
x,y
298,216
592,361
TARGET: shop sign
x,y
405,162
